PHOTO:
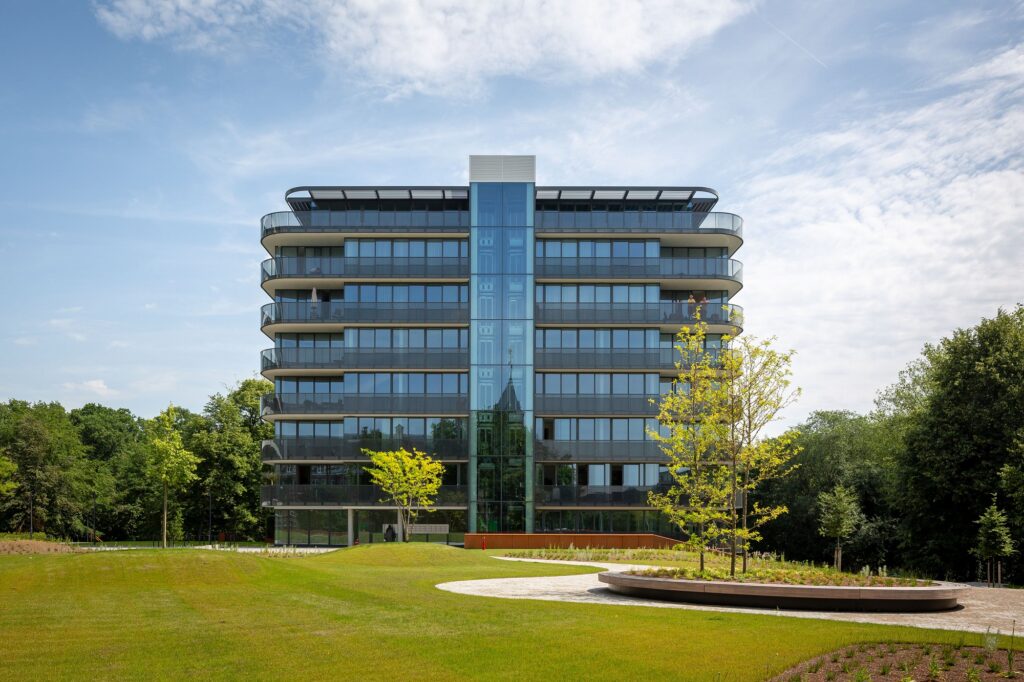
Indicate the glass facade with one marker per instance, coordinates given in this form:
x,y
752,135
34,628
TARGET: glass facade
x,y
501,356
518,334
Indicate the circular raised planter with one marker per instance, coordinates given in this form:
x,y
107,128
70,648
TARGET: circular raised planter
x,y
936,597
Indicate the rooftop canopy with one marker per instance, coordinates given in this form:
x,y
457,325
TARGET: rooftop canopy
x,y
300,198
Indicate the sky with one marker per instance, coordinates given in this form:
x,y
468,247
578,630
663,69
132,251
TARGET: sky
x,y
874,149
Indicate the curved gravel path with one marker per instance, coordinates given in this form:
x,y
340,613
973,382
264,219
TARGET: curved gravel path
x,y
981,608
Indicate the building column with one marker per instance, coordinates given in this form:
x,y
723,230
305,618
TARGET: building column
x,y
351,527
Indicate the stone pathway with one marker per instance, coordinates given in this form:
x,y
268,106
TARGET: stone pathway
x,y
982,608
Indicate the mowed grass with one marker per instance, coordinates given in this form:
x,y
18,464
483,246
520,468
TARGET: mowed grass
x,y
371,612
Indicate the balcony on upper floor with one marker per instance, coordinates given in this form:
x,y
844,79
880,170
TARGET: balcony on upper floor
x,y
699,273
594,495
277,405
660,359
304,361
296,272
302,316
720,318
673,224
318,228
546,404
635,451
448,496
300,449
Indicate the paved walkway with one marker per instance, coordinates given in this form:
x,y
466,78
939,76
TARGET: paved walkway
x,y
982,608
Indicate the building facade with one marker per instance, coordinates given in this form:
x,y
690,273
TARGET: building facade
x,y
517,333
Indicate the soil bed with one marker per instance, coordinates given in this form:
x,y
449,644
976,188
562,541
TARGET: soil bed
x,y
35,547
877,662
777,576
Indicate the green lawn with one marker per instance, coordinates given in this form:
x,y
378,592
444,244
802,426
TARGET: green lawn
x,y
371,612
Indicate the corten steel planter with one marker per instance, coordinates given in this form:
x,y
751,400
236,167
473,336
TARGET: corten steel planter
x,y
935,597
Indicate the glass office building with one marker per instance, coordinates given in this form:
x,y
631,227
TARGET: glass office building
x,y
517,333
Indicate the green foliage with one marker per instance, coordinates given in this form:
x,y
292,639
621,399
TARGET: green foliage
x,y
7,482
695,436
51,476
409,480
994,541
170,465
839,516
961,443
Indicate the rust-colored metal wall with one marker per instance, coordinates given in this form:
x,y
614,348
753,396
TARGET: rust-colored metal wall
x,y
563,540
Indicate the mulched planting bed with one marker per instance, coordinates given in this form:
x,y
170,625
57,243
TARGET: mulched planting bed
x,y
35,547
780,576
905,663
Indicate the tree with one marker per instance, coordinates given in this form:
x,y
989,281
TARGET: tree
x,y
839,516
7,482
170,464
694,434
410,480
759,382
53,477
958,444
227,443
994,541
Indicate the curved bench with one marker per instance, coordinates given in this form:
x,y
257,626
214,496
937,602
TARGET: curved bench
x,y
936,597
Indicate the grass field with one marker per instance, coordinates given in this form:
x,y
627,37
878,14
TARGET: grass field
x,y
371,612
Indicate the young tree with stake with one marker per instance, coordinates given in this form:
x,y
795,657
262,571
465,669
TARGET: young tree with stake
x,y
170,464
839,516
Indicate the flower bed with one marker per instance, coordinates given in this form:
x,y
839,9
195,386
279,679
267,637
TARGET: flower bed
x,y
785,576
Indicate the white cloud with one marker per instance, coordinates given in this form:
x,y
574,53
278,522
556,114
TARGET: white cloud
x,y
95,386
24,341
442,46
867,240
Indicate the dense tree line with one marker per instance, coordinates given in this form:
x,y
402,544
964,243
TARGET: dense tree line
x,y
90,471
924,465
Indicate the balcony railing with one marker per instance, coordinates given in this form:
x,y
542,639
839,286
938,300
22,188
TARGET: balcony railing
x,y
638,220
606,358
359,267
622,268
365,221
364,358
662,312
598,451
593,495
351,449
348,495
355,403
344,312
546,403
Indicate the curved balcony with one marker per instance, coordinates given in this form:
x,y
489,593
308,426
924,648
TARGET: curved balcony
x,y
675,228
275,405
285,450
699,273
721,318
593,495
299,316
331,227
288,272
348,496
573,404
301,361
662,359
637,219
598,451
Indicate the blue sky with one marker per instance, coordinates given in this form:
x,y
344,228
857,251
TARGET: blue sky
x,y
873,148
